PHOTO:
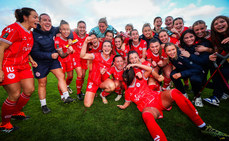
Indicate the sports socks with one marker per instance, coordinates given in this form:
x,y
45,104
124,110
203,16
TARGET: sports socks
x,y
118,90
166,82
68,80
22,101
186,106
65,95
8,108
43,102
153,127
104,94
79,83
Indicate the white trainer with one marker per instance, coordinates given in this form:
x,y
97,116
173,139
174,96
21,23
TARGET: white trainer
x,y
198,102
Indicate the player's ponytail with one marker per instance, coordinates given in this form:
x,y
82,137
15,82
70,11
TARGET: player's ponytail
x,y
19,13
128,76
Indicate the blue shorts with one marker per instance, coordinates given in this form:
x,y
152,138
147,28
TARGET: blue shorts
x,y
43,68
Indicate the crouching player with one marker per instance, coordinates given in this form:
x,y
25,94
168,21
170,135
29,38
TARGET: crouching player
x,y
116,71
101,61
152,103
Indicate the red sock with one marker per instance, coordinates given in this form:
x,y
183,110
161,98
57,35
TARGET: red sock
x,y
79,84
118,90
69,80
22,101
166,82
104,94
153,127
186,106
8,108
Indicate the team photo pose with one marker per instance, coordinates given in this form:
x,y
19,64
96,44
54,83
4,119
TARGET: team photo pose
x,y
65,53
220,39
80,65
178,26
121,50
185,68
165,38
16,75
138,44
147,33
101,29
116,72
152,104
159,61
101,62
200,29
154,78
46,56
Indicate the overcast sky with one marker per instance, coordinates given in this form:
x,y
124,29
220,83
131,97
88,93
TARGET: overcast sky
x,y
118,12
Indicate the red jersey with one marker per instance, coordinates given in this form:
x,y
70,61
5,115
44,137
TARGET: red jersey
x,y
139,47
21,43
139,93
96,49
60,43
117,74
183,30
78,46
155,57
175,41
136,69
124,52
98,63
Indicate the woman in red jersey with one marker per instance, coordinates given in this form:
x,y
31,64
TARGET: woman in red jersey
x,y
16,43
178,26
80,65
138,44
160,63
101,62
152,103
165,38
121,50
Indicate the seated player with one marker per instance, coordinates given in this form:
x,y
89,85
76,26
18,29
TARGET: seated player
x,y
116,71
159,61
101,62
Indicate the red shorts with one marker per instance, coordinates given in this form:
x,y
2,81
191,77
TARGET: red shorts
x,y
91,86
66,66
79,62
156,103
159,106
13,74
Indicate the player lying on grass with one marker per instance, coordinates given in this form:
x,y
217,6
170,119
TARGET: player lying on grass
x,y
152,103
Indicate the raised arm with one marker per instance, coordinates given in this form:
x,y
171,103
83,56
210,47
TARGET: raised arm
x,y
83,53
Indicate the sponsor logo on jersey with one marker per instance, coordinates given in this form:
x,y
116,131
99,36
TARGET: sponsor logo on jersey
x,y
11,75
5,35
27,48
